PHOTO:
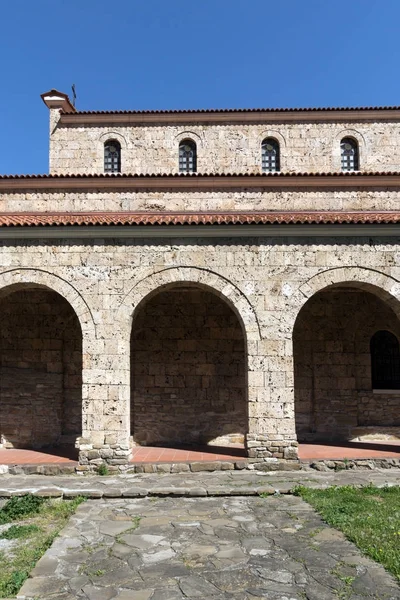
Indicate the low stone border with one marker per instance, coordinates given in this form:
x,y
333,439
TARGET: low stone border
x,y
141,492
269,464
346,464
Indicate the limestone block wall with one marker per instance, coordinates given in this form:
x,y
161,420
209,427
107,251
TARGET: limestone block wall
x,y
40,369
376,409
188,370
333,389
202,201
266,280
228,148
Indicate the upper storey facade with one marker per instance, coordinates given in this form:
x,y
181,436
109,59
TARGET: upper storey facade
x,y
222,142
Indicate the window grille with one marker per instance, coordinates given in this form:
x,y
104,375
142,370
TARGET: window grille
x,y
385,361
270,156
187,157
112,157
349,154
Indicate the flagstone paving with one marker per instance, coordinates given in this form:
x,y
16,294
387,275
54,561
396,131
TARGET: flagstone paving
x,y
202,483
207,548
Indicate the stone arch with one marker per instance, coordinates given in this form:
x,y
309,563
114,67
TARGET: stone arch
x,y
272,133
362,147
205,278
340,309
384,286
18,278
113,135
187,134
189,367
45,324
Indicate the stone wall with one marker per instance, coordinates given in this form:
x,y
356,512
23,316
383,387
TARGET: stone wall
x,y
333,390
229,148
266,279
188,370
40,369
202,201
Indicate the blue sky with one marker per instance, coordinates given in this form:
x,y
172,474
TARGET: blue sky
x,y
171,54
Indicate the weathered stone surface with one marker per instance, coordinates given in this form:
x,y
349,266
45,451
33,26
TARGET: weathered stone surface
x,y
196,587
236,547
312,147
195,467
41,587
267,309
115,527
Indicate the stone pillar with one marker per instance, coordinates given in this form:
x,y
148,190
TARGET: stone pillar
x,y
106,401
272,433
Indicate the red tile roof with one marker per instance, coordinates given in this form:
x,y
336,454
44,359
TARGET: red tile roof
x,y
203,181
200,111
202,175
210,218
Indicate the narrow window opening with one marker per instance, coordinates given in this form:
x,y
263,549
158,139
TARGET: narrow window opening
x,y
187,157
112,157
385,361
349,154
270,156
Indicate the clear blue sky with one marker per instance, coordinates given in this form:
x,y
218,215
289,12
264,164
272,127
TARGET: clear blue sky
x,y
171,54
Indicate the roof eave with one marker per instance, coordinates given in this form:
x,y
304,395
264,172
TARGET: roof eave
x,y
231,116
299,181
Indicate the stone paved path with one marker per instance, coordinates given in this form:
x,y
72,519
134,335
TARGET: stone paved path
x,y
212,548
193,484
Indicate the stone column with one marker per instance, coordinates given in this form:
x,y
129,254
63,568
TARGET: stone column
x,y
106,401
272,432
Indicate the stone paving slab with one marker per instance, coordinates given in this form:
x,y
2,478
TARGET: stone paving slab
x,y
232,548
218,483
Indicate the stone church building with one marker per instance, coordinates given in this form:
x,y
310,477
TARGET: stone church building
x,y
202,277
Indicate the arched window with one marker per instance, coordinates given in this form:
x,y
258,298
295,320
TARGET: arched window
x,y
385,361
187,157
112,157
349,154
270,156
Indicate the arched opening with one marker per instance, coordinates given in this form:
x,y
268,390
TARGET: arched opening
x,y
270,155
112,156
187,156
40,369
335,395
188,370
349,154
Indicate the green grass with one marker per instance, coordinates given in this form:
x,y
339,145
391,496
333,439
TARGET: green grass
x,y
368,516
19,507
38,524
102,470
19,531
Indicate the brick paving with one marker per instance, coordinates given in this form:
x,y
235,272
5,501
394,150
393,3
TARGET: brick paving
x,y
147,455
357,450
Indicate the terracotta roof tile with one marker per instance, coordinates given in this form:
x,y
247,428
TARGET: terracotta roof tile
x,y
231,218
204,181
231,110
201,175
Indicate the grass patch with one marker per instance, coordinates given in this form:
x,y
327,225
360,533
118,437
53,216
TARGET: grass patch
x,y
102,470
19,507
38,523
368,516
19,531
